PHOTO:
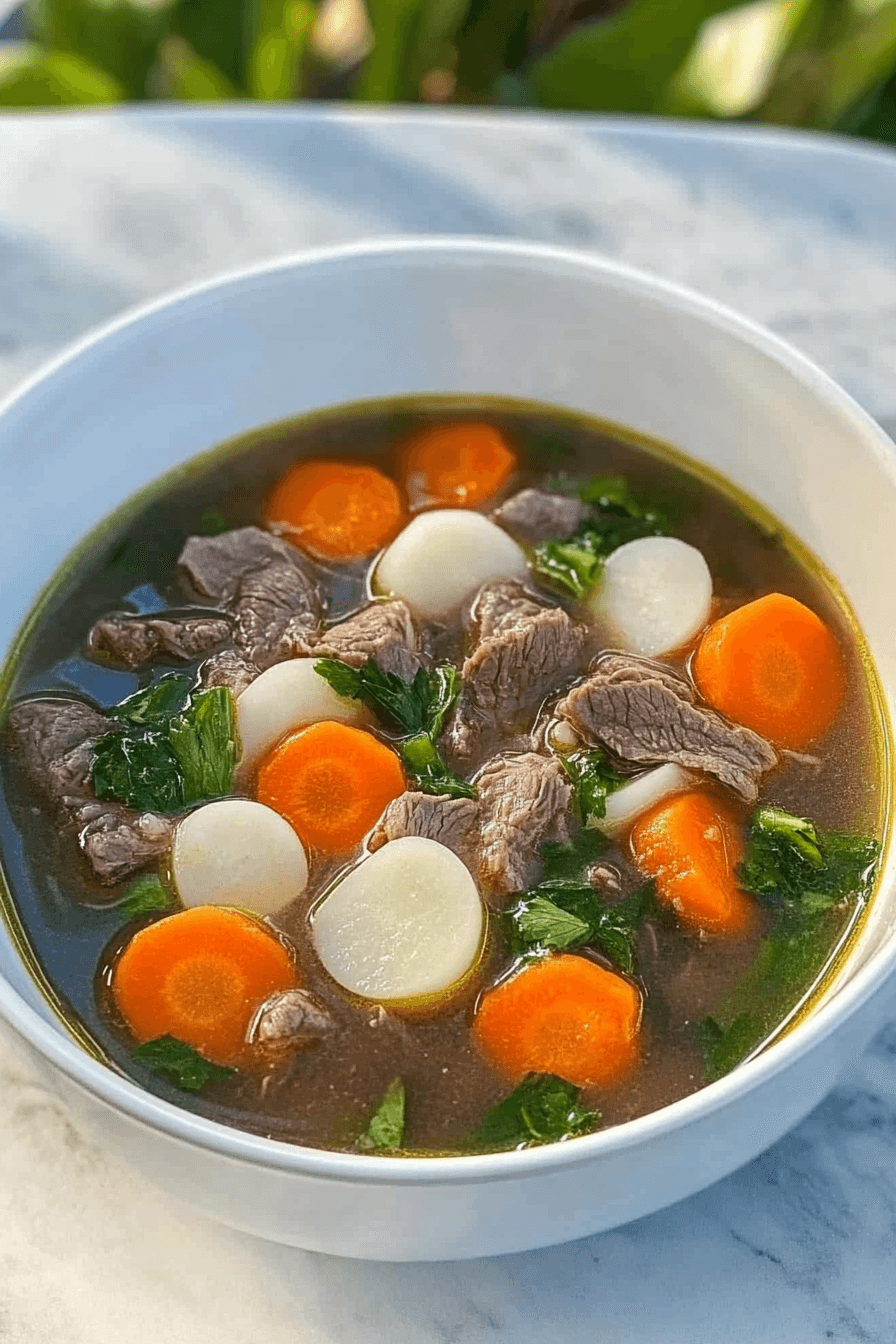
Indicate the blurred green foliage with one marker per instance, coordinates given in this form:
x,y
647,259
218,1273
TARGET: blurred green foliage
x,y
828,64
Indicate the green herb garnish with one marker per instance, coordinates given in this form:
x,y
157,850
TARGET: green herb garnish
x,y
213,523
179,1063
574,564
568,861
417,709
144,896
543,1109
802,874
386,1127
558,916
794,867
431,774
168,695
163,761
594,779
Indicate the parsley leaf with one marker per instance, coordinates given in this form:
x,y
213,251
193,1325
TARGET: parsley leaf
x,y
179,1063
543,1109
430,772
164,761
594,779
417,709
386,1126
792,866
168,695
560,916
144,896
574,564
802,874
567,861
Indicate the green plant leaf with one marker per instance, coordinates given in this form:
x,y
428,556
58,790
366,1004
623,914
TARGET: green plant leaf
x,y
385,77
180,1064
144,896
119,37
30,77
203,739
543,1109
168,695
279,47
430,773
188,77
492,41
625,62
594,779
218,33
386,1127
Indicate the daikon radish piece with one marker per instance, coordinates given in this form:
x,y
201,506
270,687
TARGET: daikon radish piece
x,y
240,853
626,804
443,556
407,923
655,594
287,696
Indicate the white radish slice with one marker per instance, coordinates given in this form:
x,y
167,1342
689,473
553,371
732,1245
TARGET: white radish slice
x,y
287,696
627,803
236,852
654,596
407,922
443,556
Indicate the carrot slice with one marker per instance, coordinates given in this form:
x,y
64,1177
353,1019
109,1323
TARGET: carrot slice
x,y
336,510
331,783
691,845
457,465
200,975
774,666
564,1015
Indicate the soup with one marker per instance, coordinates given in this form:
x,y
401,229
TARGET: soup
x,y
437,777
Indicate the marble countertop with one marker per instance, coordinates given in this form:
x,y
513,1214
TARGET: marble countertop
x,y
99,211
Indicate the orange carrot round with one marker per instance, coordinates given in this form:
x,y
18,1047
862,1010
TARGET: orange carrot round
x,y
564,1015
691,845
331,783
336,510
457,466
200,975
775,667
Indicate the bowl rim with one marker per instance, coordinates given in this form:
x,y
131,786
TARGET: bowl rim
x,y
119,1093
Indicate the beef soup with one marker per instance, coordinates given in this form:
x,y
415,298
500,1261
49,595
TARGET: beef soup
x,y
437,777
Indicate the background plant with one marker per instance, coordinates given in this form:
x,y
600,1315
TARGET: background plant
x,y
827,64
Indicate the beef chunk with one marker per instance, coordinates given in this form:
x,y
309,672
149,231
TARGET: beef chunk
x,y
383,631
643,712
137,640
523,650
54,739
523,804
263,582
450,821
119,841
535,515
291,1017
228,668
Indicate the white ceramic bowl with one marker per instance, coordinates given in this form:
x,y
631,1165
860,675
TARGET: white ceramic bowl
x,y
470,317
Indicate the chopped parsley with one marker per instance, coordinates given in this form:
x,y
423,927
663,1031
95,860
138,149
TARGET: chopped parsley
x,y
385,1129
594,779
179,1063
557,916
543,1109
144,896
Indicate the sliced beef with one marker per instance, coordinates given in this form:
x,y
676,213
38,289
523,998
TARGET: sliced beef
x,y
536,515
383,631
54,739
645,713
450,821
228,668
137,640
289,1018
119,841
523,650
264,584
524,803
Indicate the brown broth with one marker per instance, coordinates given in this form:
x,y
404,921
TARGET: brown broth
x,y
323,1096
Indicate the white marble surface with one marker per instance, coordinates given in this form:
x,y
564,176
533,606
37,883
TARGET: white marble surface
x,y
100,211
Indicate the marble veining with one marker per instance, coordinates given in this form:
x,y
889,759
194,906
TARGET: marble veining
x,y
98,212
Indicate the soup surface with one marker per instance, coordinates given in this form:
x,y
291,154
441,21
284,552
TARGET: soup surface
x,y
505,779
